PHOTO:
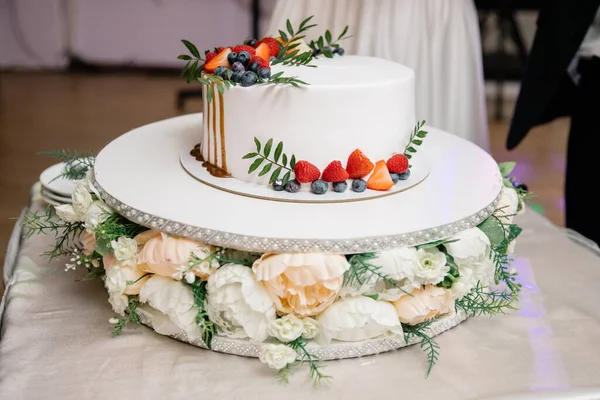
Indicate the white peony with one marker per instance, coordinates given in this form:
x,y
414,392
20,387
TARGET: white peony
x,y
431,268
125,250
482,273
277,356
509,205
115,283
174,299
97,213
312,327
359,318
67,213
237,304
471,246
82,199
287,328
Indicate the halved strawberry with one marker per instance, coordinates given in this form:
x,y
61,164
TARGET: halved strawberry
x,y
398,164
380,179
262,51
273,46
358,165
306,172
244,47
262,63
219,61
334,172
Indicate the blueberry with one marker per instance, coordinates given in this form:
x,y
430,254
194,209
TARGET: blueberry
x,y
238,67
248,79
250,42
244,57
237,76
222,72
264,73
254,67
340,187
521,186
292,186
272,58
404,176
359,185
319,186
339,51
232,57
278,185
395,177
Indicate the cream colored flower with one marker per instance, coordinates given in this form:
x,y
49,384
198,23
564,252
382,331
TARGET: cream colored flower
x,y
164,255
173,299
424,304
134,276
286,328
312,327
125,250
88,242
301,284
237,304
359,318
81,198
97,213
66,213
509,205
431,268
115,283
277,356
471,246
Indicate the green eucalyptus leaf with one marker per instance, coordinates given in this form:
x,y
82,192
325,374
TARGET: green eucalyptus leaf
x,y
328,37
192,48
320,42
417,142
286,178
289,27
507,167
343,33
210,93
421,134
102,245
373,296
265,169
255,165
493,230
257,142
407,156
275,175
284,37
284,160
328,54
268,145
278,151
185,69
303,23
293,162
411,149
184,57
249,155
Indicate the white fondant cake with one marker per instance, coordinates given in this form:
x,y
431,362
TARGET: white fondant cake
x,y
350,103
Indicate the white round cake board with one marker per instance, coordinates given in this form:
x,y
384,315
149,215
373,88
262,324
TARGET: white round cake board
x,y
141,177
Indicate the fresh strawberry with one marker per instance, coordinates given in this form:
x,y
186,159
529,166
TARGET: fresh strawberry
x,y
220,60
398,164
210,55
262,63
272,43
334,172
380,179
358,165
220,49
306,172
262,51
244,47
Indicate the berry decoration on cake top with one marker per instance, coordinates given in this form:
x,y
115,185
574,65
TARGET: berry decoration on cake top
x,y
250,63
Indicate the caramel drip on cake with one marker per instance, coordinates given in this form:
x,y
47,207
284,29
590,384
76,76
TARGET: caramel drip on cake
x,y
207,133
214,116
222,117
196,152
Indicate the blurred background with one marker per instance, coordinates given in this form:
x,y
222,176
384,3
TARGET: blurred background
x,y
76,74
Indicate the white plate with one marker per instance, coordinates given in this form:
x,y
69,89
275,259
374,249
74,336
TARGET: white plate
x,y
51,202
55,197
60,186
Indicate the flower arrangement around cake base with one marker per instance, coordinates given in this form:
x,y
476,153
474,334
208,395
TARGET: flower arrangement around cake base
x,y
286,301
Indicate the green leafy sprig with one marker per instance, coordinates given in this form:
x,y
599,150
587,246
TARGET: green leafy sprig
x,y
426,342
208,328
416,139
289,54
279,79
195,63
131,316
362,271
112,229
481,301
77,164
66,233
213,81
325,43
315,372
279,161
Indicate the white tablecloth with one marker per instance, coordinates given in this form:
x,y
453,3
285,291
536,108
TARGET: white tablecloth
x,y
56,343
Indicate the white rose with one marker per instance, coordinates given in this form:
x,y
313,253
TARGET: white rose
x,y
471,246
97,213
431,268
482,273
125,250
277,356
66,213
237,304
286,328
508,206
312,327
358,318
174,299
82,199
464,284
115,283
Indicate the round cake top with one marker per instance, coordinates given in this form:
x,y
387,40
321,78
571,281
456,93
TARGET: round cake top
x,y
348,71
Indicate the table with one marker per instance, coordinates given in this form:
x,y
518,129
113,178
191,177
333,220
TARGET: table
x,y
56,342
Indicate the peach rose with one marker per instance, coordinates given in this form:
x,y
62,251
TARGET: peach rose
x,y
164,255
133,273
301,284
88,241
424,304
